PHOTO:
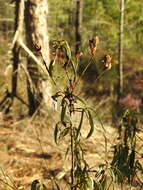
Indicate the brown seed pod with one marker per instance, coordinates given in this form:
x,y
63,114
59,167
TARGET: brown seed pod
x,y
93,45
78,55
107,62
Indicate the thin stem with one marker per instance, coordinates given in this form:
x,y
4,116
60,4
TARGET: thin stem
x,y
49,72
82,74
6,181
95,81
67,75
76,68
72,157
2,181
100,75
71,103
77,64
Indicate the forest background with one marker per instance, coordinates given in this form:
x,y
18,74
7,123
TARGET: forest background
x,y
100,18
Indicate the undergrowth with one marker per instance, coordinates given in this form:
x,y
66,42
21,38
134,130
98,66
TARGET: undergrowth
x,y
124,164
125,167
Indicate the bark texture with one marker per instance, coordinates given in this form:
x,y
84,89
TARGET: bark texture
x,y
36,12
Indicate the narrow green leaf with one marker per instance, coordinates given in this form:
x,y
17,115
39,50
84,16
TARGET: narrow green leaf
x,y
73,66
118,174
131,159
69,57
68,50
36,185
113,176
90,183
63,112
49,72
91,123
80,124
51,67
67,151
104,183
64,132
56,133
97,186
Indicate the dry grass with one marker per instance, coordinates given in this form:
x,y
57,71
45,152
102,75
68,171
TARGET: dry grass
x,y
29,152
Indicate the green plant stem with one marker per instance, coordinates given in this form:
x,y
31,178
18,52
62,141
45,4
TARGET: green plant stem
x,y
76,68
72,160
95,81
90,61
67,75
49,72
77,64
100,75
72,156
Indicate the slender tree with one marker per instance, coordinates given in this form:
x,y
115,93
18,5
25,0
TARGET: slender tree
x,y
7,101
78,25
19,17
120,54
36,12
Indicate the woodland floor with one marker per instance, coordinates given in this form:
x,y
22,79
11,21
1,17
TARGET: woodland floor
x,y
28,151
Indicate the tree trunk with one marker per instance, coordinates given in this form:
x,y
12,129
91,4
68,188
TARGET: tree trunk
x,y
36,32
19,15
78,25
120,57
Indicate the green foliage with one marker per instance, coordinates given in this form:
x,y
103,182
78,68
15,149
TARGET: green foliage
x,y
100,18
124,164
125,151
134,18
36,185
71,104
61,12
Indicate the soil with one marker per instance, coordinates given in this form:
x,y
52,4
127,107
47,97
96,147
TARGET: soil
x,y
28,151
